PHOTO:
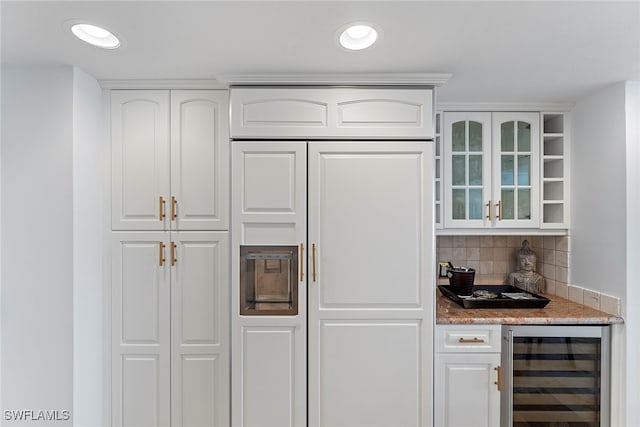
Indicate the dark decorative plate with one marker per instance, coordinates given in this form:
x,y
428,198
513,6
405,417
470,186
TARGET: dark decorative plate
x,y
495,296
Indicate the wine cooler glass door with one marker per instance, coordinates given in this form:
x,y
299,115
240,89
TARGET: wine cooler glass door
x,y
555,376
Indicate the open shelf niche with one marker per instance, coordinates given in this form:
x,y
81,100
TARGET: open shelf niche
x,y
438,170
554,170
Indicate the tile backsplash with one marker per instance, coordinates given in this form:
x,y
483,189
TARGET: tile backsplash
x,y
494,257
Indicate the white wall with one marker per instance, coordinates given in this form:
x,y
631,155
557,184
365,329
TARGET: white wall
x,y
605,231
37,240
598,192
52,154
89,154
632,318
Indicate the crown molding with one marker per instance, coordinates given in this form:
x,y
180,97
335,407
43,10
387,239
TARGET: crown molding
x,y
337,79
560,107
162,84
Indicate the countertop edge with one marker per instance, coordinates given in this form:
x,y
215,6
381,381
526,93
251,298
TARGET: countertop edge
x,y
529,321
559,311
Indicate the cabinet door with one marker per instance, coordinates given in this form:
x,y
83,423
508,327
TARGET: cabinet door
x,y
140,311
339,112
467,170
516,182
140,159
199,160
269,207
466,393
199,329
371,283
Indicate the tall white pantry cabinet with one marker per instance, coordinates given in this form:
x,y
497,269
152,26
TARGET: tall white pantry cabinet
x,y
358,214
169,289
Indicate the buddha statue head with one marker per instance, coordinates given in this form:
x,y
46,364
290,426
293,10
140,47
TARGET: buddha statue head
x,y
526,258
525,276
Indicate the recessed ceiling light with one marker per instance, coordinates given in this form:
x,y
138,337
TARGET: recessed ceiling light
x,y
358,36
95,35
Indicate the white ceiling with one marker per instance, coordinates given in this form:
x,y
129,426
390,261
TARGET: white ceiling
x,y
504,51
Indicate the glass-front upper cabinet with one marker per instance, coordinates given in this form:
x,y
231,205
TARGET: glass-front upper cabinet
x,y
516,166
467,169
491,166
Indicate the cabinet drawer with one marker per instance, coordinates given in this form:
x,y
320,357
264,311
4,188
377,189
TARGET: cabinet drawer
x,y
467,338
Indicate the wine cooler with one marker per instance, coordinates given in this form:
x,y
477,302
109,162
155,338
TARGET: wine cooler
x,y
555,376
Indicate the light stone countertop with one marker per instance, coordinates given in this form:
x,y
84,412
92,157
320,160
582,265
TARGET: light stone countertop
x,y
559,311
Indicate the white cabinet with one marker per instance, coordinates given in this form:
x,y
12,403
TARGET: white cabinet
x,y
269,205
467,376
140,159
555,170
364,321
140,330
467,169
324,112
502,171
491,170
170,350
169,159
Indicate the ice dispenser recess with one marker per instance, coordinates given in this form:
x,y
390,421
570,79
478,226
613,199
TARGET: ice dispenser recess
x,y
269,280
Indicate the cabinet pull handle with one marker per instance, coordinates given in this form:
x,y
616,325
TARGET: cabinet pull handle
x,y
161,208
173,254
499,205
471,340
174,206
301,262
161,259
488,205
313,259
498,381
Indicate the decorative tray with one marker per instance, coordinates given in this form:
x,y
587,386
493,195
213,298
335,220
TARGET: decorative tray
x,y
495,296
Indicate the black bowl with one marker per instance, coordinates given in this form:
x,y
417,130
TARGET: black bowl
x,y
461,281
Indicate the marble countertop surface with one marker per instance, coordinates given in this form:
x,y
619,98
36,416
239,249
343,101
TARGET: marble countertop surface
x,y
559,311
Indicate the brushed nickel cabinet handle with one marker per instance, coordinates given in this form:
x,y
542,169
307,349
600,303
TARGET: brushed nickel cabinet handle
x,y
161,208
499,205
488,205
474,340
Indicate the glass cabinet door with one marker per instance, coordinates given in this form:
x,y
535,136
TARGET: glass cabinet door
x,y
555,376
467,142
515,182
